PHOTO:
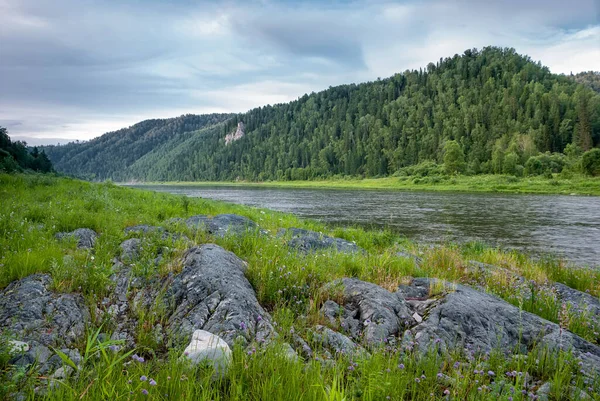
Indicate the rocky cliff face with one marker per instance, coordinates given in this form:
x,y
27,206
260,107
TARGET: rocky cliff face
x,y
234,136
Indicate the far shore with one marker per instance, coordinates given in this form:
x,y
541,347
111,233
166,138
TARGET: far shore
x,y
578,185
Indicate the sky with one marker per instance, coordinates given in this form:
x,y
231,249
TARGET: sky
x,y
75,69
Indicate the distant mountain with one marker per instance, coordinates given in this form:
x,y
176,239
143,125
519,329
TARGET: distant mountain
x,y
110,155
494,103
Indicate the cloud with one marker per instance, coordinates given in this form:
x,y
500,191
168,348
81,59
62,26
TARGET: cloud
x,y
74,69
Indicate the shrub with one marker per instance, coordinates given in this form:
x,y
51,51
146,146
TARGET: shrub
x,y
590,162
545,163
426,168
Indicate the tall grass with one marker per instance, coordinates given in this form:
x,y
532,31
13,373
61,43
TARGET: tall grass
x,y
289,285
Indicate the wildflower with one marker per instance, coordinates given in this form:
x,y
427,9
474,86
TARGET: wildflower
x,y
144,391
456,365
479,389
242,326
439,375
437,341
137,358
168,377
491,373
417,380
152,382
143,378
401,366
259,318
351,368
446,392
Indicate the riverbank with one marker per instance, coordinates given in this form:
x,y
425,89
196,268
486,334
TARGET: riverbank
x,y
578,185
293,288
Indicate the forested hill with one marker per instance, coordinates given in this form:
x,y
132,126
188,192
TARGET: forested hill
x,y
495,103
109,155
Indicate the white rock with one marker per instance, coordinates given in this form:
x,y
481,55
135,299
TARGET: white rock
x,y
417,317
17,347
210,348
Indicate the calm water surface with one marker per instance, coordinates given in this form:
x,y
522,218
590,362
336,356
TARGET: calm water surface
x,y
537,224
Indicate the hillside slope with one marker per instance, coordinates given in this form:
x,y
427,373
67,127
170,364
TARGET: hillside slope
x,y
492,102
109,155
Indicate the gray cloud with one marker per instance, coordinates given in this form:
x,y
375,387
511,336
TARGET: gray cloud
x,y
78,68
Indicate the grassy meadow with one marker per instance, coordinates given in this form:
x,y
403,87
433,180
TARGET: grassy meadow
x,y
573,185
288,285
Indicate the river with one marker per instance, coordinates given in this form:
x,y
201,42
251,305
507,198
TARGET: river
x,y
568,226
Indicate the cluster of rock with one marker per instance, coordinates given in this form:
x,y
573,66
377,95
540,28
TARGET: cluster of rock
x,y
234,136
210,305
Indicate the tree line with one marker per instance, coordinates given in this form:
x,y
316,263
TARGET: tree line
x,y
495,110
17,157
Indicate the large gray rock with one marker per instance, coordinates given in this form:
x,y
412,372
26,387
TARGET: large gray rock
x,y
212,294
578,299
33,314
223,224
141,229
580,302
369,311
336,343
86,238
310,241
130,250
480,322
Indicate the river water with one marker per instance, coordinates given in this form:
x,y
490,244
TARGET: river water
x,y
568,226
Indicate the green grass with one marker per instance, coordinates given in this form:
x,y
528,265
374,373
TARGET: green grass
x,y
34,207
579,185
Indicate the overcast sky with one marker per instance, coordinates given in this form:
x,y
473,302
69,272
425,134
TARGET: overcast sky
x,y
75,69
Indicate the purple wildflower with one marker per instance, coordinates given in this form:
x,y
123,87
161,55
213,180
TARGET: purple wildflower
x,y
143,378
401,366
144,391
152,382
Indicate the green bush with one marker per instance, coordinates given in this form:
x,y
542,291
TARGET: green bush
x,y
545,163
427,168
590,162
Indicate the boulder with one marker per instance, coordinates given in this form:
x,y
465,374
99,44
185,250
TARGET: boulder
x,y
130,250
335,342
208,348
34,315
223,224
480,322
309,241
580,302
369,311
142,229
578,299
86,238
212,294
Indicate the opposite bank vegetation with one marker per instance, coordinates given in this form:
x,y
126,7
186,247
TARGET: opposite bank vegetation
x,y
575,185
288,284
